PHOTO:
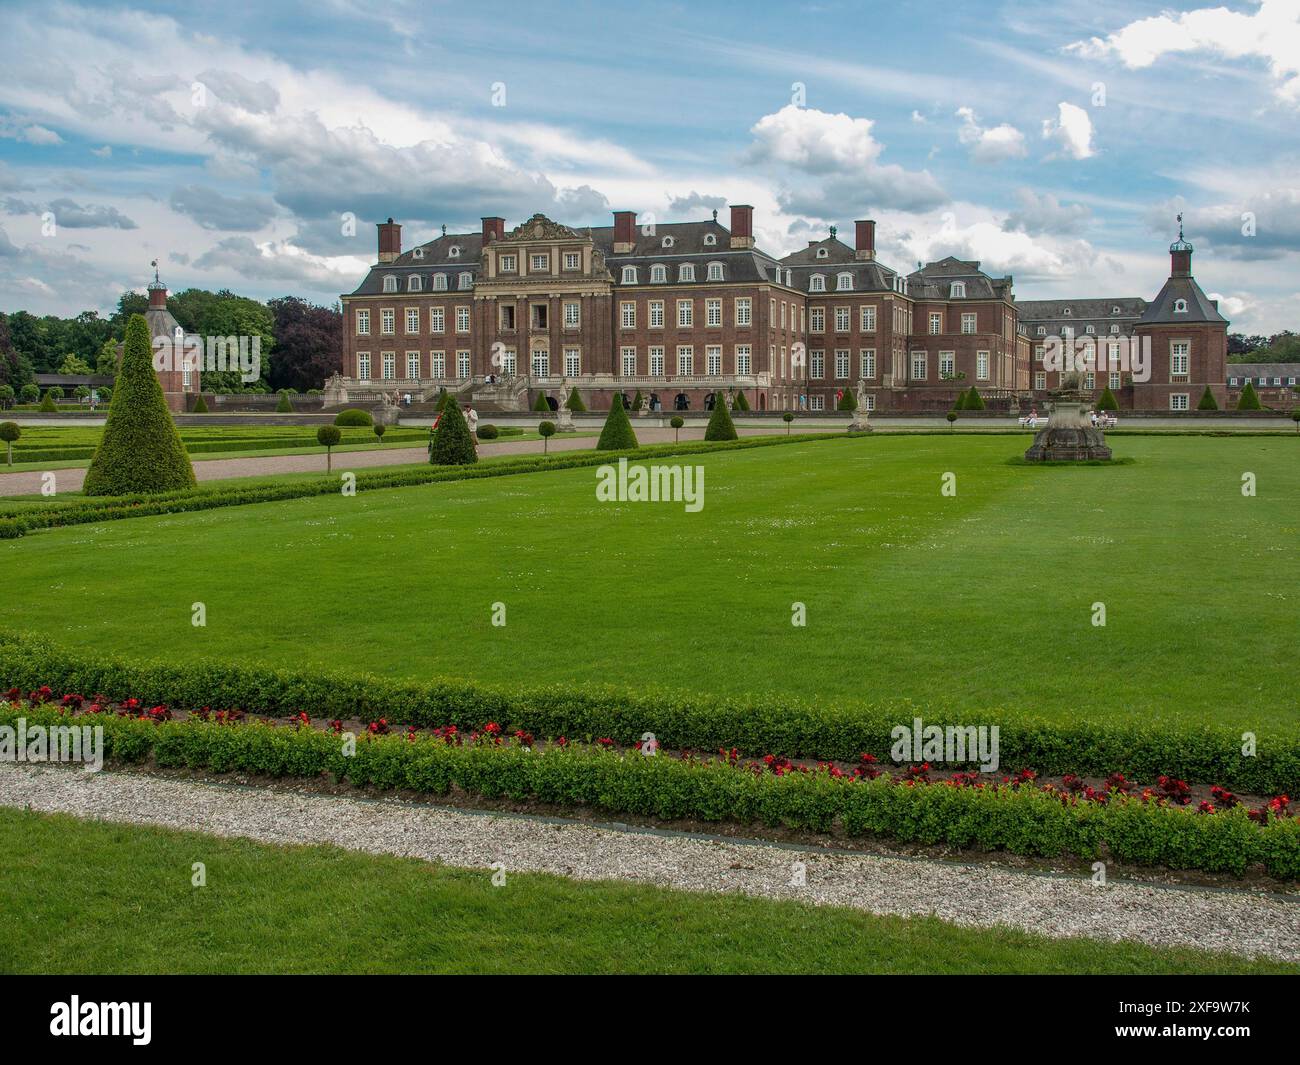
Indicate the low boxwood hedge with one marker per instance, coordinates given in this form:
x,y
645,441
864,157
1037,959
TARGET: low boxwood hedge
x,y
1142,750
1019,820
17,523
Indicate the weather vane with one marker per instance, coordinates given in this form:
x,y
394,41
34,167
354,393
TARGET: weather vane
x,y
154,264
1180,225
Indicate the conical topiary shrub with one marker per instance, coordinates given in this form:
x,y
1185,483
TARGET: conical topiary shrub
x,y
284,406
1208,402
200,405
1249,398
974,401
741,402
441,402
617,433
541,403
452,444
48,406
848,401
140,451
720,427
959,404
637,401
1107,400
574,402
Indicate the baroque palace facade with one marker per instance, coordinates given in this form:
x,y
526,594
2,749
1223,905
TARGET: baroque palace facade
x,y
687,311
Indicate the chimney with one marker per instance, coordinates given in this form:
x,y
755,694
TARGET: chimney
x,y
742,225
494,228
866,238
624,232
390,241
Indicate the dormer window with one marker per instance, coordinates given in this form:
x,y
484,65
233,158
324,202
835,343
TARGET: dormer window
x,y
822,253
1114,310
629,275
466,280
658,273
413,283
1042,331
454,251
439,282
1180,306
1067,311
957,290
390,283
710,239
685,272
715,272
668,242
844,283
817,283
1114,329
1089,330
418,253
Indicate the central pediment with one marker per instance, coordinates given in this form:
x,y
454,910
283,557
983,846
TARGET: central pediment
x,y
539,227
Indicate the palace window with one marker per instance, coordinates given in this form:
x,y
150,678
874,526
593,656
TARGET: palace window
x,y
439,282
817,283
841,363
1040,380
1178,401
386,322
713,360
715,272
506,316
539,264
390,365
658,274
843,319
685,313
957,290
572,260
713,312
1180,307
868,316
541,362
816,402
437,319
413,365
628,315
572,362
817,365
462,319
867,363
412,319
685,360
390,283
363,366
710,239
656,314
844,283
744,361
438,364
981,365
413,283
1113,381
744,311
507,264
936,324
686,272
629,275
817,320
947,364
363,323
1178,358
918,365
968,323
453,252
656,362
462,363
466,281
668,242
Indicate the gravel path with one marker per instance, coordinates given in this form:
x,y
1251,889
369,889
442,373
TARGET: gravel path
x,y
1240,922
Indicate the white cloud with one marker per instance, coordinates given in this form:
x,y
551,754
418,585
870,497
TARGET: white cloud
x,y
995,144
1045,214
1271,34
1071,129
1232,306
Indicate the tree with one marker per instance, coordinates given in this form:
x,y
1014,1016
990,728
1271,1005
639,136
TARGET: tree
x,y
1249,399
952,418
9,432
848,401
81,391
574,402
7,396
284,406
974,401
1107,400
452,443
1295,417
676,421
75,366
617,434
308,343
547,429
328,437
787,417
200,405
720,426
1208,402
541,403
15,367
55,391
29,393
741,402
140,451
106,360
380,429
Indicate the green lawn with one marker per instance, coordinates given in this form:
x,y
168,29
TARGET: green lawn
x,y
972,602
91,897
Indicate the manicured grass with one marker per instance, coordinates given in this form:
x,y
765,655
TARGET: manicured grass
x,y
92,897
961,603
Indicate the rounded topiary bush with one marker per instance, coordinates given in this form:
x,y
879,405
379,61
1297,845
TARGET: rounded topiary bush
x,y
328,436
380,430
488,432
452,443
354,418
617,434
547,430
787,417
676,421
720,427
141,451
29,394
9,432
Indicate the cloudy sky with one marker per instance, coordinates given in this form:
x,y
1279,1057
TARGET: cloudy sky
x,y
234,143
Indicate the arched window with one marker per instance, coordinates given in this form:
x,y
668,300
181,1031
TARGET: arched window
x,y
629,275
685,272
390,283
658,273
822,253
1067,311
710,239
1180,306
668,242
418,253
844,283
439,282
817,283
957,291
454,251
413,283
1089,329
715,272
466,280
1042,331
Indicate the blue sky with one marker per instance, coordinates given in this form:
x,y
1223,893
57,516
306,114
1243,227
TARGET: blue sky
x,y
234,142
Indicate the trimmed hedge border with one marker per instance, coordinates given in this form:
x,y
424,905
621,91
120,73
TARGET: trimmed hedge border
x,y
1200,754
1021,821
16,524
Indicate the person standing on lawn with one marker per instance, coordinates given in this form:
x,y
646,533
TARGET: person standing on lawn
x,y
471,419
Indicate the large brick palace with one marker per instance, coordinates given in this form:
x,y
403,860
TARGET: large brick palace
x,y
687,310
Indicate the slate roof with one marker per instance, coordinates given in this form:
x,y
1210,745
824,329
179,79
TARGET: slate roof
x,y
432,257
1200,308
868,274
1270,370
1096,310
934,281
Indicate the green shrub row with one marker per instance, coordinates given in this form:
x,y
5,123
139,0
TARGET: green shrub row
x,y
59,454
1023,821
1141,750
17,523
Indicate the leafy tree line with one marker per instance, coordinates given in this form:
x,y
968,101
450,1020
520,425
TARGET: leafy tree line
x,y
302,342
1280,347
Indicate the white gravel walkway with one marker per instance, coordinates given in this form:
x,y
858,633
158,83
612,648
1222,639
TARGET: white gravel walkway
x,y
1241,922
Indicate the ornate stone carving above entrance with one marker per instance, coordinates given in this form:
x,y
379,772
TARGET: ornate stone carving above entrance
x,y
539,227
